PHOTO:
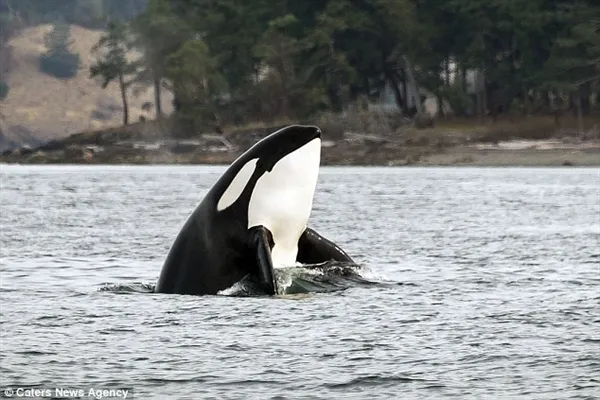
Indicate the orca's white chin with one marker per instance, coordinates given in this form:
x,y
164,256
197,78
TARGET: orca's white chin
x,y
282,200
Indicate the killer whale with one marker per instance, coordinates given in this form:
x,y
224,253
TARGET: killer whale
x,y
253,219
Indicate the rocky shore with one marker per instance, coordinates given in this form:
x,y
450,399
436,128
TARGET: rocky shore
x,y
433,147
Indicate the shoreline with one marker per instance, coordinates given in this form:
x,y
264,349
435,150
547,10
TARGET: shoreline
x,y
453,156
442,146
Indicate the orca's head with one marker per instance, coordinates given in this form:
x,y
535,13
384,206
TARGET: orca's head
x,y
301,143
277,178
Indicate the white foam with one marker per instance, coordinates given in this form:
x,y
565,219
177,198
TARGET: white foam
x,y
369,274
232,290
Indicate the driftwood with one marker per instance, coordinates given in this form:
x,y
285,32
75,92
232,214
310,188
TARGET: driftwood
x,y
219,138
366,138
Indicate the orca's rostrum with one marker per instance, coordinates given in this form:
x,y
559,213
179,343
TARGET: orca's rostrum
x,y
254,219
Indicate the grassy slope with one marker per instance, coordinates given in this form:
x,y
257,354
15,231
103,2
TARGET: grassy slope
x,y
53,108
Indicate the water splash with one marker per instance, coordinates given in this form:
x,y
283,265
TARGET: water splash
x,y
313,278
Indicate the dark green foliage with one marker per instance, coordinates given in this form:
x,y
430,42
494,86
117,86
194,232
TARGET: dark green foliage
x,y
160,35
60,65
7,27
4,89
459,101
113,65
59,61
293,59
112,49
87,13
239,60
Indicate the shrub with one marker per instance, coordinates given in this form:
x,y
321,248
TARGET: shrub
x,y
4,89
61,65
59,61
359,118
459,101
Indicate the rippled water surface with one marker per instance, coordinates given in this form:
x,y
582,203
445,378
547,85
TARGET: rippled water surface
x,y
492,288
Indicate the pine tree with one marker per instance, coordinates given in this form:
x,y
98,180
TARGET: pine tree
x,y
159,34
59,61
113,64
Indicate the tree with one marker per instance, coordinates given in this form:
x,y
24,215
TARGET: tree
x,y
197,82
159,34
113,64
574,64
277,50
4,89
88,13
279,57
8,27
59,61
328,63
232,29
8,24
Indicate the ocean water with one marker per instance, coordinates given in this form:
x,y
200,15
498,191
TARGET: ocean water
x,y
485,284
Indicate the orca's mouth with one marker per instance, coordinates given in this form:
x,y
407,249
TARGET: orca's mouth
x,y
317,133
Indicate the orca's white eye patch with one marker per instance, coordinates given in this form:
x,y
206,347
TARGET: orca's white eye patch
x,y
237,185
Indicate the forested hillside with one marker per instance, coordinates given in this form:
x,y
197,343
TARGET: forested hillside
x,y
236,61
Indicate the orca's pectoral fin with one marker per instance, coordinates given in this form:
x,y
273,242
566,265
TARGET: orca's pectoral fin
x,y
260,244
314,249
